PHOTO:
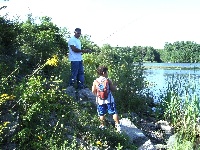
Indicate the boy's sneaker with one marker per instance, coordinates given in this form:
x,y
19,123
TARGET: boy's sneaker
x,y
118,126
102,127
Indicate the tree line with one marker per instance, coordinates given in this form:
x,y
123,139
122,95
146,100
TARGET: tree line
x,y
40,41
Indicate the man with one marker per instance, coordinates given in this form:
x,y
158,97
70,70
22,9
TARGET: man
x,y
75,56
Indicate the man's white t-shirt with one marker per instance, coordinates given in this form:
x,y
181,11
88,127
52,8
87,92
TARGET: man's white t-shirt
x,y
74,56
110,98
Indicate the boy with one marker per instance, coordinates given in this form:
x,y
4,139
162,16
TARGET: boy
x,y
108,104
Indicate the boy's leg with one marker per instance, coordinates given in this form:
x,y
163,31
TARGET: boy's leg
x,y
101,109
116,118
102,120
117,123
112,110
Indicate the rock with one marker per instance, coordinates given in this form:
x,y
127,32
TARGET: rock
x,y
198,126
86,95
147,146
161,146
171,141
136,135
164,125
83,95
198,129
71,91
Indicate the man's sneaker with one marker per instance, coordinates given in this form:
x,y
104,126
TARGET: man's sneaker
x,y
70,88
118,126
102,127
83,87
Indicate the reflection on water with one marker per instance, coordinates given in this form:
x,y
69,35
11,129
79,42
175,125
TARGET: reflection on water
x,y
181,65
160,78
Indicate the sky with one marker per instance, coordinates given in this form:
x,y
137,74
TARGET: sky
x,y
118,22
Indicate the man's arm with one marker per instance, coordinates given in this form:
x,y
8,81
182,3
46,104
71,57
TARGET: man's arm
x,y
78,50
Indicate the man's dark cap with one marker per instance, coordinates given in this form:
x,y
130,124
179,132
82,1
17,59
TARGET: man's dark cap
x,y
78,30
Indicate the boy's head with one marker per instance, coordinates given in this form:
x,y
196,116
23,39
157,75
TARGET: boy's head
x,y
101,70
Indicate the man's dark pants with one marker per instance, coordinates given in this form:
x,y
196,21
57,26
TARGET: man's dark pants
x,y
77,74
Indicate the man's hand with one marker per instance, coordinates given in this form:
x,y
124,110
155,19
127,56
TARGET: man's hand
x,y
87,51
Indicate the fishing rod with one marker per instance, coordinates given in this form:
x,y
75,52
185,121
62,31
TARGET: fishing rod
x,y
3,7
120,29
91,50
127,24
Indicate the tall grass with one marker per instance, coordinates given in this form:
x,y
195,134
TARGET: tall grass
x,y
181,108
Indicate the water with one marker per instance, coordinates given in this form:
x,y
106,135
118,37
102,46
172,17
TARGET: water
x,y
185,76
182,65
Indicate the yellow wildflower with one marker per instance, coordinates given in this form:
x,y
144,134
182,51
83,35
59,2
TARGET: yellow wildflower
x,y
12,97
39,137
53,61
6,97
5,123
99,143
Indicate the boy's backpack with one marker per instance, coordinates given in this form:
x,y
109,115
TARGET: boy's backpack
x,y
103,89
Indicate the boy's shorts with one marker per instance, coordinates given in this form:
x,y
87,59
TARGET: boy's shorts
x,y
104,108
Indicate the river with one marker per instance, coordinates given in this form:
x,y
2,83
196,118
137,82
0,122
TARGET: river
x,y
184,76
